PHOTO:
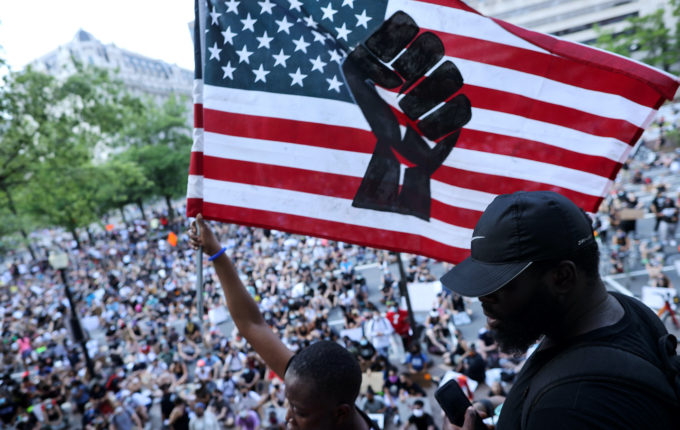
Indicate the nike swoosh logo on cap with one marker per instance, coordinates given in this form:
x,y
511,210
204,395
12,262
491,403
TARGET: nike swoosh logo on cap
x,y
477,237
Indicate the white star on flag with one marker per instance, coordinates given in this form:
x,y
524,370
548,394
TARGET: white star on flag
x,y
228,36
334,84
343,32
297,77
295,4
301,45
232,6
362,20
266,6
335,56
317,64
215,16
284,25
328,12
249,23
349,3
318,37
244,55
309,22
214,52
228,71
280,59
261,74
264,41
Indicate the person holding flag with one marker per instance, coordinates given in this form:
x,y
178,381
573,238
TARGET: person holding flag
x,y
322,380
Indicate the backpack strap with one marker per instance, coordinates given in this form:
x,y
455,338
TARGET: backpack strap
x,y
593,363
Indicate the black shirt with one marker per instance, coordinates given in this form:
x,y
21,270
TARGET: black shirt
x,y
422,422
591,404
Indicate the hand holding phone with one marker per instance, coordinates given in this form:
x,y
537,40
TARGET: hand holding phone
x,y
454,403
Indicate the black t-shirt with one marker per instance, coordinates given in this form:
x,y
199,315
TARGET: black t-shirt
x,y
475,367
590,404
422,422
167,405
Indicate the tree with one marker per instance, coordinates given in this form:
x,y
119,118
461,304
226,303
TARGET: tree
x,y
158,140
50,123
125,183
648,39
166,168
65,195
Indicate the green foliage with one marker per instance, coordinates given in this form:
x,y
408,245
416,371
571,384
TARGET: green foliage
x,y
66,195
167,169
49,130
123,182
51,136
158,140
648,39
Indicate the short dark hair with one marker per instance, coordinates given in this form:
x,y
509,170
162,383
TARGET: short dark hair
x,y
333,371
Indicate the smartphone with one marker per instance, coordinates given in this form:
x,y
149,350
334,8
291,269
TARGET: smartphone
x,y
454,403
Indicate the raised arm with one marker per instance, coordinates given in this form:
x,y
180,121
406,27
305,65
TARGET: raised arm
x,y
242,307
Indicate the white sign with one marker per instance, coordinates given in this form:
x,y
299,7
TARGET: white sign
x,y
655,297
423,295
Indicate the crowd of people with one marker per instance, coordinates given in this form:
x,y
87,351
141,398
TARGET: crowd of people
x,y
135,294
149,347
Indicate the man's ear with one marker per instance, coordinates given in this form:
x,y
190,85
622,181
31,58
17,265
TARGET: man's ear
x,y
564,276
343,413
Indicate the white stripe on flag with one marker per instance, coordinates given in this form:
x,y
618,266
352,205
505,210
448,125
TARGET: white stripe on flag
x,y
354,164
457,21
540,88
329,209
323,111
284,106
521,168
506,124
195,187
197,146
198,91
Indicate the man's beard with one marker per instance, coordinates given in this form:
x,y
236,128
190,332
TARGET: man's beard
x,y
516,333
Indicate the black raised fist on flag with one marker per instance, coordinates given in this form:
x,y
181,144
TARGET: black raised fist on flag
x,y
397,56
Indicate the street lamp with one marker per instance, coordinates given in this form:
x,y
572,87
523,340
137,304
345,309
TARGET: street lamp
x,y
59,261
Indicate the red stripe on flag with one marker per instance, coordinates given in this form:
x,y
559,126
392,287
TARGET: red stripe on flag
x,y
665,85
365,236
196,163
516,104
285,130
349,139
529,150
198,115
194,207
549,66
313,182
495,184
516,147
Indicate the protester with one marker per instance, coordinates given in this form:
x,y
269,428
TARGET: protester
x,y
322,379
534,267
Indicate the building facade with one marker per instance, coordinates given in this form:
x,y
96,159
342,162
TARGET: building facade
x,y
142,76
573,20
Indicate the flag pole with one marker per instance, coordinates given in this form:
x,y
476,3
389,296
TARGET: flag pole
x,y
199,283
403,291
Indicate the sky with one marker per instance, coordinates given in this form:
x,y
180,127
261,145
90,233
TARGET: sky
x,y
154,28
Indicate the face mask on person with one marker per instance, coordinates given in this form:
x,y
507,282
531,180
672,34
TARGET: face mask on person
x,y
418,412
393,378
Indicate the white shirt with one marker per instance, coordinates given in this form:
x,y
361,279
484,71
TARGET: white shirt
x,y
207,422
379,331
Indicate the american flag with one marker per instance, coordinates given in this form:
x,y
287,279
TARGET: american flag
x,y
280,142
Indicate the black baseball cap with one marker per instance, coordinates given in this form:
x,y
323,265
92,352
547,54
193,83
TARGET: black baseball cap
x,y
514,231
